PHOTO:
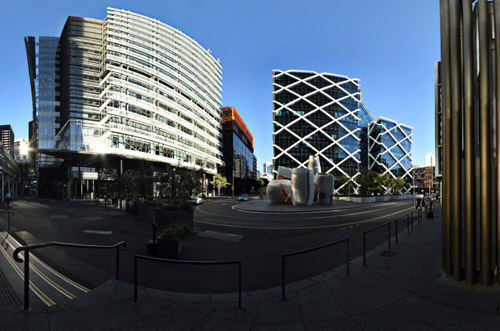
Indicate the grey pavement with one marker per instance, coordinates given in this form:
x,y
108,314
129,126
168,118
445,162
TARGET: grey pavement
x,y
404,290
263,205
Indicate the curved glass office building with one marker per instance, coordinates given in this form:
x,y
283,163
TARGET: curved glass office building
x,y
134,87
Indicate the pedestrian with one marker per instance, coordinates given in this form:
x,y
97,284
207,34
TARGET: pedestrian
x,y
7,197
418,203
423,205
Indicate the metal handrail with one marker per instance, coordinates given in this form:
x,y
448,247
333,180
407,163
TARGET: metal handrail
x,y
9,213
284,256
407,224
388,224
119,246
157,259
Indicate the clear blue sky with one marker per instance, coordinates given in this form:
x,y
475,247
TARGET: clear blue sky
x,y
391,45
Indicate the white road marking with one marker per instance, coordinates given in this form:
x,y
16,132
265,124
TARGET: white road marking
x,y
305,227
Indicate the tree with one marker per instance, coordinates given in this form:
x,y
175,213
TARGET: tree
x,y
339,181
384,182
177,184
261,185
219,182
369,183
399,184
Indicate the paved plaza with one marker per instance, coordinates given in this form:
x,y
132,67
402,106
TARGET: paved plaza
x,y
402,290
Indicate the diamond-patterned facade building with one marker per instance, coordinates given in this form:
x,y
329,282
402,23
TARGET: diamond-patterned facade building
x,y
389,148
322,114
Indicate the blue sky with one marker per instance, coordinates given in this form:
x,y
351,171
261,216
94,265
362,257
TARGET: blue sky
x,y
391,45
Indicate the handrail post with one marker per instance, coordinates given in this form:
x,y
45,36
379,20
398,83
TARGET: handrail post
x,y
239,284
412,221
389,234
396,227
118,262
135,278
27,280
347,258
283,277
364,248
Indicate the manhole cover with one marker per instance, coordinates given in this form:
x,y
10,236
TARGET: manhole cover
x,y
388,253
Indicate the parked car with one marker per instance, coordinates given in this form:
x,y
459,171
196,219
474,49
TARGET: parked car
x,y
243,197
196,200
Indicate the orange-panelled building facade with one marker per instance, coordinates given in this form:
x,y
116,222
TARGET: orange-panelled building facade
x,y
240,164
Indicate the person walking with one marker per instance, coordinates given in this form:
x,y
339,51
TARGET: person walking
x,y
7,197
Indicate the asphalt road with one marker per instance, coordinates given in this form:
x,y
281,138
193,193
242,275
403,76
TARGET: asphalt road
x,y
220,233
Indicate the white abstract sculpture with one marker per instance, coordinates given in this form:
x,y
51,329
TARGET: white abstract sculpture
x,y
313,164
302,187
279,191
324,184
284,173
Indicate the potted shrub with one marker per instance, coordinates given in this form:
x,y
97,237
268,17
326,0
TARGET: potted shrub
x,y
170,241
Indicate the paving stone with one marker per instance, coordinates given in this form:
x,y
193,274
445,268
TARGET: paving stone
x,y
445,317
274,310
339,324
217,324
247,312
278,327
384,319
7,295
106,315
226,298
377,286
483,300
174,318
353,298
23,320
317,304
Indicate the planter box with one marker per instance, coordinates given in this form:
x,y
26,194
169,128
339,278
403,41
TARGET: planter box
x,y
165,217
169,248
363,199
358,199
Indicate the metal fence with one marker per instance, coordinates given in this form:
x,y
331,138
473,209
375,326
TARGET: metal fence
x,y
119,246
284,256
388,224
157,259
